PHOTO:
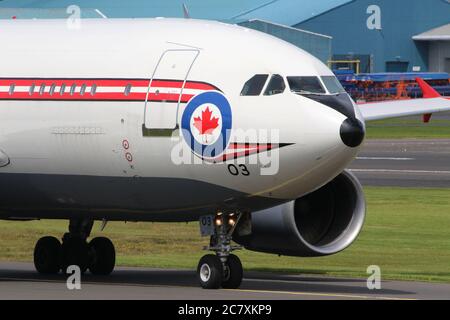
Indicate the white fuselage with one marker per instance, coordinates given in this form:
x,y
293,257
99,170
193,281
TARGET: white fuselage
x,y
91,120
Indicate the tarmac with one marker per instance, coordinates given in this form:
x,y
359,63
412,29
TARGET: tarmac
x,y
20,281
404,163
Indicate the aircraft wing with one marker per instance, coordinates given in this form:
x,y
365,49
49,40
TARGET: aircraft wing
x,y
431,103
403,108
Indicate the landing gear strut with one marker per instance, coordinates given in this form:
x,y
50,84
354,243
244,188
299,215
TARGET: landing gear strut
x,y
223,269
51,256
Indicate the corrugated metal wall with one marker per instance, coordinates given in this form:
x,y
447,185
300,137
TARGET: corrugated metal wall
x,y
439,56
316,44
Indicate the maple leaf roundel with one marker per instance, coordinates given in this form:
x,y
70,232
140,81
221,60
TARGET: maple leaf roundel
x,y
206,123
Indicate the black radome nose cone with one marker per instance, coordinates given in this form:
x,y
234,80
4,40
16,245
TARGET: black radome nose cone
x,y
352,132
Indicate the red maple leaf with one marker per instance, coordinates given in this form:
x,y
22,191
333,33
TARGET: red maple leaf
x,y
206,123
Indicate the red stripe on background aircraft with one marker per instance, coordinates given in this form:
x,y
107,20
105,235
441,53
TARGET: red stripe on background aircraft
x,y
428,92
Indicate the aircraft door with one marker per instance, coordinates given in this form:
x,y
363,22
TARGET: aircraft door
x,y
166,88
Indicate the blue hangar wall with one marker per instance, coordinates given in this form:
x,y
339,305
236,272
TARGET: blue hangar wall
x,y
381,30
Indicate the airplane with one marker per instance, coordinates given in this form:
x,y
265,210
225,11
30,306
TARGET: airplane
x,y
428,92
179,120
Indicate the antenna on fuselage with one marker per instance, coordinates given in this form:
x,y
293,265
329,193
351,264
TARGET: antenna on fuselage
x,y
186,12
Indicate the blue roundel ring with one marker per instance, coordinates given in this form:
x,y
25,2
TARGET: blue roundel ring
x,y
221,102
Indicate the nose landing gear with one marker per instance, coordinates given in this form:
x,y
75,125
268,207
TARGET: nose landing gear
x,y
51,256
222,269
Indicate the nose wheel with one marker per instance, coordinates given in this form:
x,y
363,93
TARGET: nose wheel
x,y
210,272
224,269
233,273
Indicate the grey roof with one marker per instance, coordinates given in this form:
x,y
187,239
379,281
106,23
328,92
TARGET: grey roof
x,y
437,34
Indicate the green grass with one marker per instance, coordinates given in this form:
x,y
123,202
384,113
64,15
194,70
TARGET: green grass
x,y
407,233
403,128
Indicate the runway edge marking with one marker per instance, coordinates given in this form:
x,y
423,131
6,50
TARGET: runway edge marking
x,y
330,295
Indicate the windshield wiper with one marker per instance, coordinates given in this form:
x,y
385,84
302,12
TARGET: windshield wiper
x,y
309,93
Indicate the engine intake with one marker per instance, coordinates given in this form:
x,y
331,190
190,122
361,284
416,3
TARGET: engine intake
x,y
322,223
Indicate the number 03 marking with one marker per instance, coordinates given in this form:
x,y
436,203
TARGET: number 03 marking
x,y
238,170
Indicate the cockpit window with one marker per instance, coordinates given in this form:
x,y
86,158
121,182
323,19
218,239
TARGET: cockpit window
x,y
276,85
254,86
306,85
333,85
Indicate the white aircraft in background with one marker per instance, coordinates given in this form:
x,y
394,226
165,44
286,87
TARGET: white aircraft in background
x,y
155,120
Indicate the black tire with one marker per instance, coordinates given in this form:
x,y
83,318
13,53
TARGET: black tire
x,y
233,274
75,251
47,255
210,272
103,256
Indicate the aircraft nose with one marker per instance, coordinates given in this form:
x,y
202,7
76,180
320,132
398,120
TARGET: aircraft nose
x,y
352,132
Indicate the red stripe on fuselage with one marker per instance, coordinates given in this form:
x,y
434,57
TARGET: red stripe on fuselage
x,y
13,92
97,97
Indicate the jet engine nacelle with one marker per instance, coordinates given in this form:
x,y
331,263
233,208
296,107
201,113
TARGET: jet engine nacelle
x,y
321,223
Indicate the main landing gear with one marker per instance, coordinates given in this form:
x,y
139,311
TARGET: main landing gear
x,y
99,256
222,269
